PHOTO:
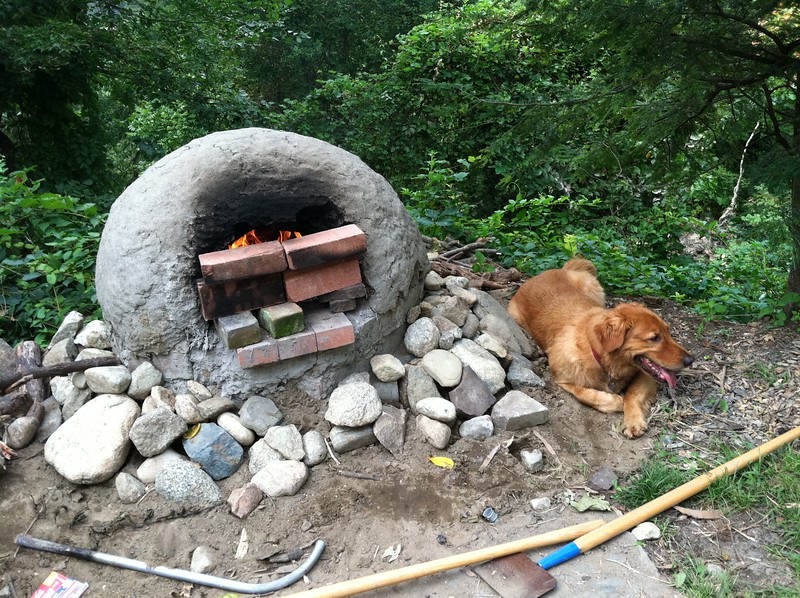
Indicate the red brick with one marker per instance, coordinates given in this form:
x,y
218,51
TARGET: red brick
x,y
355,292
296,345
259,354
237,296
332,330
311,282
332,245
243,262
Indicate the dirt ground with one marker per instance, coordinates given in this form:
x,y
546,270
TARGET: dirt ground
x,y
432,512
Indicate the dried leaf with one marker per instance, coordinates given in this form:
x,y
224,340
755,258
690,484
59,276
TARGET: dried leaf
x,y
590,503
700,514
445,462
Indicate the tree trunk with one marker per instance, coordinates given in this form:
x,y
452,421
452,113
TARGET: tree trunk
x,y
793,284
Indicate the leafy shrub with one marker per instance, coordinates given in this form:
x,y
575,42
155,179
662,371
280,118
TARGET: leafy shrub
x,y
637,253
48,244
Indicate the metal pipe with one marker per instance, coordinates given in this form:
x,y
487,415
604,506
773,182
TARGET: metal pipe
x,y
203,579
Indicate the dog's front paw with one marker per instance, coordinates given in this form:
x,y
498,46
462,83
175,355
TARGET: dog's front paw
x,y
635,428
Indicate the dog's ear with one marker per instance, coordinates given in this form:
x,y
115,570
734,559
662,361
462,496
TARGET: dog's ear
x,y
611,331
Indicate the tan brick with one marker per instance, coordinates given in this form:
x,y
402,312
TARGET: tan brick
x,y
311,282
243,262
296,345
259,354
331,330
332,245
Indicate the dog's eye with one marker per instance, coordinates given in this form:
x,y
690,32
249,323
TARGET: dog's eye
x,y
655,338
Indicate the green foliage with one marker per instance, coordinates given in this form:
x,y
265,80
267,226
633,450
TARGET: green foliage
x,y
637,252
314,39
693,579
770,486
48,244
437,203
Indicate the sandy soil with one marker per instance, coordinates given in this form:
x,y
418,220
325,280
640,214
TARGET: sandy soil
x,y
409,502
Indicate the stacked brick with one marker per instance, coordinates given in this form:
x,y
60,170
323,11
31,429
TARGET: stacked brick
x,y
271,279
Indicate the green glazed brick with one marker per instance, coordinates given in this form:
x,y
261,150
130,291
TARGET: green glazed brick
x,y
282,320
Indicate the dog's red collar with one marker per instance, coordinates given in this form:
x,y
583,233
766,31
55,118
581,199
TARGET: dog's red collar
x,y
596,356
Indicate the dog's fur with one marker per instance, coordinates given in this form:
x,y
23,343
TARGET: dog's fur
x,y
595,353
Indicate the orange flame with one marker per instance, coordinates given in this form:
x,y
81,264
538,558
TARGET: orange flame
x,y
255,236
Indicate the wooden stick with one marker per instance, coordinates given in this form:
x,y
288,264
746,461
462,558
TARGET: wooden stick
x,y
60,369
388,578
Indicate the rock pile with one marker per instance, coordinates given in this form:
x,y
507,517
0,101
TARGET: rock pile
x,y
467,374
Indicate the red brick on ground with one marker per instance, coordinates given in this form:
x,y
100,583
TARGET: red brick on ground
x,y
312,282
332,330
332,245
243,262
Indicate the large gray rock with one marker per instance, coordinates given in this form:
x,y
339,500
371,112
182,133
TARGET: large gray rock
x,y
354,405
189,202
93,444
183,482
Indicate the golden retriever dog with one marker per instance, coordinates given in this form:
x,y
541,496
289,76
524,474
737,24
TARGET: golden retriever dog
x,y
609,359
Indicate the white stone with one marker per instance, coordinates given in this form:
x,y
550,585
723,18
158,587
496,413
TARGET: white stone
x,y
143,379
281,478
387,368
483,363
287,441
259,455
421,336
435,433
354,405
315,448
93,444
437,408
113,379
204,559
477,428
232,425
491,344
186,407
532,461
147,471
646,531
129,489
433,282
200,392
444,367
95,334
540,504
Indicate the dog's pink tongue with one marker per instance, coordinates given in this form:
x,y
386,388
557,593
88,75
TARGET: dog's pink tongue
x,y
669,376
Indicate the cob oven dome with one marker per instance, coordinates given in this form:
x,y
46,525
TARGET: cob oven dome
x,y
196,200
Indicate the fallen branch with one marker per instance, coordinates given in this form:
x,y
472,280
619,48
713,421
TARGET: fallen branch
x,y
60,369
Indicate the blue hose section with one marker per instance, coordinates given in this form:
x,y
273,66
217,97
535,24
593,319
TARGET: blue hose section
x,y
561,555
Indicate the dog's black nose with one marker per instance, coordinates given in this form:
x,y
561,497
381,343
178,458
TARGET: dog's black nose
x,y
688,360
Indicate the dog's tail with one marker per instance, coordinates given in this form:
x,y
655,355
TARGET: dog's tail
x,y
581,265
